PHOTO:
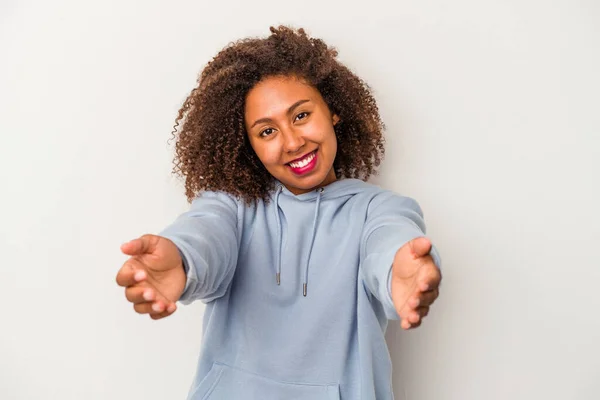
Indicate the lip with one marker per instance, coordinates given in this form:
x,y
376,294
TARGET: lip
x,y
301,157
308,167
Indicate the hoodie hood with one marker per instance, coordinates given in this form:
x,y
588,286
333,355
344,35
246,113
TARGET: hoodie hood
x,y
336,189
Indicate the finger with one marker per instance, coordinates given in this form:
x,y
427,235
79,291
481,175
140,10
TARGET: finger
x,y
414,317
142,245
429,276
416,325
405,324
420,247
170,310
131,273
150,307
144,292
417,315
139,294
427,298
408,325
414,301
423,311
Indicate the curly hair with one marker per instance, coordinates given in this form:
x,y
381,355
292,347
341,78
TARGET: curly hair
x,y
212,150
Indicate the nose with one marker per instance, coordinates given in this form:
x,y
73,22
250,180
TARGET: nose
x,y
293,140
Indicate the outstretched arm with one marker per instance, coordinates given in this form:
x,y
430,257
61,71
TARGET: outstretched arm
x,y
397,268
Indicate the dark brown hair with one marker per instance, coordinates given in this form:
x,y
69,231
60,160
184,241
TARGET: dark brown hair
x,y
212,150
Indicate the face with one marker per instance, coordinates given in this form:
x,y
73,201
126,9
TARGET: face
x,y
290,128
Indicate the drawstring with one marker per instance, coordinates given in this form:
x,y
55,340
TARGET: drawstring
x,y
312,239
278,274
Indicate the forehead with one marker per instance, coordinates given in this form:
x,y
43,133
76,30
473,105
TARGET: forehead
x,y
274,95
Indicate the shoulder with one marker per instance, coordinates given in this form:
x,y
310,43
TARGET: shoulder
x,y
217,201
378,195
388,201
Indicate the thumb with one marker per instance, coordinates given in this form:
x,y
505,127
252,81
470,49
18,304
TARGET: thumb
x,y
420,247
142,245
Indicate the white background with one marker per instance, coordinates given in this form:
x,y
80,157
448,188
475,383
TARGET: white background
x,y
493,117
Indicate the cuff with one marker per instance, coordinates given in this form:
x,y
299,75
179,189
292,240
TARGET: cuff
x,y
190,272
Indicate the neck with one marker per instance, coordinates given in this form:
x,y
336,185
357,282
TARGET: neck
x,y
330,178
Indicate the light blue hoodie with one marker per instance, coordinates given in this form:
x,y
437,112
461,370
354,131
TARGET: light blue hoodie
x,y
297,290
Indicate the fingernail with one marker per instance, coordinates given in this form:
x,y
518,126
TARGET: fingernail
x,y
148,295
156,307
171,308
139,275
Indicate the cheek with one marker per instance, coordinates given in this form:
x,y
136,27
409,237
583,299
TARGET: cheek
x,y
334,144
267,153
331,139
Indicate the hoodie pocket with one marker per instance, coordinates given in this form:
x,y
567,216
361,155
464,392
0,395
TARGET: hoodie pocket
x,y
228,383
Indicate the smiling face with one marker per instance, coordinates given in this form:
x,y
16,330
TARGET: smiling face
x,y
290,128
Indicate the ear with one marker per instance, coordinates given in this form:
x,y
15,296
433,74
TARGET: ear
x,y
335,119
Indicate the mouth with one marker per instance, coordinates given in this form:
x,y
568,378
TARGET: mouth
x,y
304,164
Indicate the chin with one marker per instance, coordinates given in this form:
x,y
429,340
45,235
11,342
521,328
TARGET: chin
x,y
308,184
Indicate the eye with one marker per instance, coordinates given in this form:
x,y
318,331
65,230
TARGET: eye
x,y
266,132
302,115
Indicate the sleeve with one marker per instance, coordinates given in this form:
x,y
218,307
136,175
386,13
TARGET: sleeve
x,y
208,240
392,221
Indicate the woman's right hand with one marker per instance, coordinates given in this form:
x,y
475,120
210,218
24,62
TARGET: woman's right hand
x,y
153,277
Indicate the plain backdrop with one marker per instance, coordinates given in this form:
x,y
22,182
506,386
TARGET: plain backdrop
x,y
492,111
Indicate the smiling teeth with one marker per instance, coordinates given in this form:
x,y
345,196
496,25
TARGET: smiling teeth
x,y
303,162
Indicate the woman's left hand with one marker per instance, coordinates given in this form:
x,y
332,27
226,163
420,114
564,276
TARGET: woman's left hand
x,y
415,282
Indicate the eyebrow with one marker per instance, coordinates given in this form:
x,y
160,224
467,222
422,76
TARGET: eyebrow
x,y
289,110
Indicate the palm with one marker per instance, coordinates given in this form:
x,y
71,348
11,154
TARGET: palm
x,y
163,267
415,281
404,283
